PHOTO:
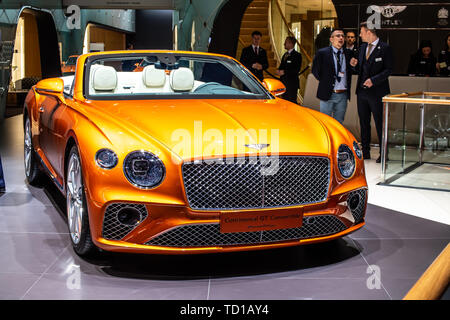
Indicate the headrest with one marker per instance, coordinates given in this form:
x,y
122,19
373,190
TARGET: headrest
x,y
153,77
104,78
182,79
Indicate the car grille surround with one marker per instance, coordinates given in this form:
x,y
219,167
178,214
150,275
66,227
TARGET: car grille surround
x,y
254,183
204,235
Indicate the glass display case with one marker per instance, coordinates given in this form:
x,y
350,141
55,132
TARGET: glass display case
x,y
416,140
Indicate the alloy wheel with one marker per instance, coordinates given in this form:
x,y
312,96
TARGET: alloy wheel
x,y
75,205
27,148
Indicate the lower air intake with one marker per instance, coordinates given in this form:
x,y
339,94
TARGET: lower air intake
x,y
114,226
204,235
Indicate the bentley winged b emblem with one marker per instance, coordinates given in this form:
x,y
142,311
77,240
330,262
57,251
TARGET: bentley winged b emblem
x,y
388,11
257,146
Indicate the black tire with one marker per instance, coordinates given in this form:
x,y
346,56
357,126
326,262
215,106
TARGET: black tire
x,y
33,171
83,245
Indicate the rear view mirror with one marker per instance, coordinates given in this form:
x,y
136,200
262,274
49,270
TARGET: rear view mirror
x,y
276,87
50,86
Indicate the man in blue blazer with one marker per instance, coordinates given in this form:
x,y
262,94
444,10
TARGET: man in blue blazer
x,y
373,66
331,66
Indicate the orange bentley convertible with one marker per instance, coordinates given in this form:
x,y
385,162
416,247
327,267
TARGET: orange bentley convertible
x,y
190,155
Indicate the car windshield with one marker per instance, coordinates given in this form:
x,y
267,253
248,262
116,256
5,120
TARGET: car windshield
x,y
71,61
169,75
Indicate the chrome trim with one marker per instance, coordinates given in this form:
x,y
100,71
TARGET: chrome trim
x,y
261,204
256,146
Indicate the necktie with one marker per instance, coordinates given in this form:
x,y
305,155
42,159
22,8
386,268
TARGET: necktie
x,y
369,51
256,50
338,61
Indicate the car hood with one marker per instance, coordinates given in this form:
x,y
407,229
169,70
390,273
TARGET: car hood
x,y
194,128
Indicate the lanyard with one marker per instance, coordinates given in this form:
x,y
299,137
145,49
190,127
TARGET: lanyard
x,y
339,63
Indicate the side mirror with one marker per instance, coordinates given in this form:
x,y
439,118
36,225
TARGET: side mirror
x,y
50,86
276,87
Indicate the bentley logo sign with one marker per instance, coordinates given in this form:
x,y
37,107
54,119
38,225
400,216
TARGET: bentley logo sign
x,y
388,11
374,21
257,146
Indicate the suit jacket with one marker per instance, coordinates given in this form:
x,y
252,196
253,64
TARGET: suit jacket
x,y
354,52
378,68
249,57
324,70
291,64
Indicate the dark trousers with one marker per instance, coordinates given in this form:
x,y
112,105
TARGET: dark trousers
x,y
290,96
292,86
367,105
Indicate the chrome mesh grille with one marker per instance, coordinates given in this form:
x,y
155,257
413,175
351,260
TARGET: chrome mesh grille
x,y
358,212
112,228
199,235
241,184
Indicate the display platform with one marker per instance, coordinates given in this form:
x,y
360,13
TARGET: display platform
x,y
381,261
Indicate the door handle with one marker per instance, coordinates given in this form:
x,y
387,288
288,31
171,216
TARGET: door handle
x,y
41,109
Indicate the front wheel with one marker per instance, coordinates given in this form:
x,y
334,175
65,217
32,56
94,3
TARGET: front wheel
x,y
77,213
33,172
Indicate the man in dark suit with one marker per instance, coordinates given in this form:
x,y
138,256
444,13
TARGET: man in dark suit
x,y
331,67
289,68
373,66
254,58
350,43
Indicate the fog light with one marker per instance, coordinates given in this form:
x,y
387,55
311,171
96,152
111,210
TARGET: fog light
x,y
129,216
353,202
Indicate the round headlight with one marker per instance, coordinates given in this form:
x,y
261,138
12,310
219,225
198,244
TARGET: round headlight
x,y
357,149
106,158
346,161
143,169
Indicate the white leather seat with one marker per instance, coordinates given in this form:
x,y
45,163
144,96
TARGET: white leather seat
x,y
153,78
181,79
104,79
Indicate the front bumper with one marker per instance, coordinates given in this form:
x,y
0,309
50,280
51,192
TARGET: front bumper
x,y
177,229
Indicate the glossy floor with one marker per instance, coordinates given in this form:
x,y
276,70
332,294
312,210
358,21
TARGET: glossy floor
x,y
381,261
